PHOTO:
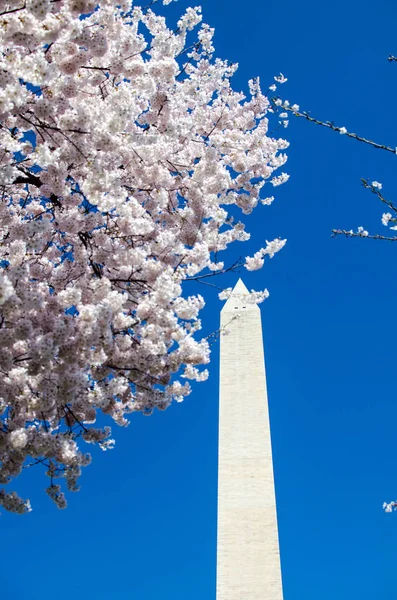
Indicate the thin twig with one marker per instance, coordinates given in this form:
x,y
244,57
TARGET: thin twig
x,y
239,263
351,234
376,190
330,125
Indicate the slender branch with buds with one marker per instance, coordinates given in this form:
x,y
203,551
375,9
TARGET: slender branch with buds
x,y
330,125
374,187
352,234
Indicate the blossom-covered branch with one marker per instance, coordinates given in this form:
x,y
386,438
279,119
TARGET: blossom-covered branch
x,y
124,149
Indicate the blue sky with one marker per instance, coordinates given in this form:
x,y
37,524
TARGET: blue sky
x,y
143,526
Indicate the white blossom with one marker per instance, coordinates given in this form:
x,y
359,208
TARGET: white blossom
x,y
376,185
257,297
18,438
280,78
362,232
225,294
279,179
389,506
6,289
386,218
267,201
13,503
252,263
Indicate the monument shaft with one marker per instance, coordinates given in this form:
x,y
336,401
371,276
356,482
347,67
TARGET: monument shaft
x,y
248,561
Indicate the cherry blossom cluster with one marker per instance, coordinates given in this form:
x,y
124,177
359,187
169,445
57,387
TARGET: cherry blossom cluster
x,y
389,506
124,151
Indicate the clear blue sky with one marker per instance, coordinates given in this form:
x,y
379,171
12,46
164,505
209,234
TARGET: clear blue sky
x,y
143,526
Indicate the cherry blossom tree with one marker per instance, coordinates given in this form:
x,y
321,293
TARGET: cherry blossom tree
x,y
126,158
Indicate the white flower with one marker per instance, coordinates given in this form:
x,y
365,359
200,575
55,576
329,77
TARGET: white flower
x,y
342,130
362,232
386,218
252,263
376,185
6,289
389,506
12,502
18,439
280,78
225,294
109,444
216,266
257,297
193,373
279,179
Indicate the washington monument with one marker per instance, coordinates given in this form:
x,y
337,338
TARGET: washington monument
x,y
248,560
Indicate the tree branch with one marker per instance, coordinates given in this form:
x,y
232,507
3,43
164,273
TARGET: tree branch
x,y
351,234
330,125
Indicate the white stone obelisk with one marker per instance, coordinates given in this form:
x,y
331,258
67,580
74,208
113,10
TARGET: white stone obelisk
x,y
248,559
